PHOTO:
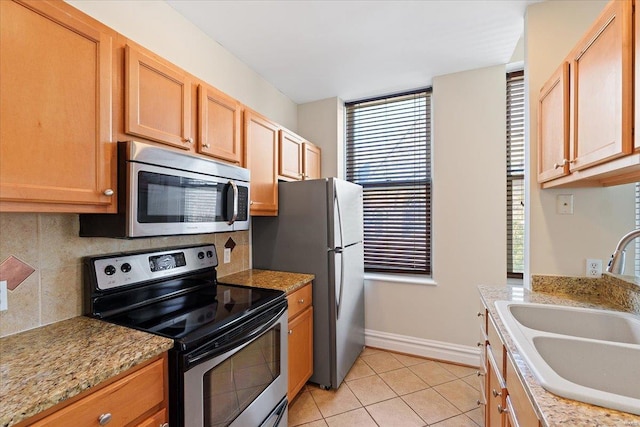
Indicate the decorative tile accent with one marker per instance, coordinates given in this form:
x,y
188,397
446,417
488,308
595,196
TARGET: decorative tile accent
x,y
230,244
14,272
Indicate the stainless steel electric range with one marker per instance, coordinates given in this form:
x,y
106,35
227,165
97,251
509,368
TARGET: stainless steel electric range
x,y
228,366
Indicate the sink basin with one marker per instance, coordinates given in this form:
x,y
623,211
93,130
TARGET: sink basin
x,y
578,322
583,354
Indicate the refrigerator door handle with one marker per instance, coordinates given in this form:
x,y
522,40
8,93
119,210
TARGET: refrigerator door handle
x,y
338,250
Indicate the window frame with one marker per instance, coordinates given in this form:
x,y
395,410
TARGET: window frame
x,y
515,169
353,174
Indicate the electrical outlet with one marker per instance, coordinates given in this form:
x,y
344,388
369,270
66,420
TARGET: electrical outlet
x,y
4,304
227,255
594,268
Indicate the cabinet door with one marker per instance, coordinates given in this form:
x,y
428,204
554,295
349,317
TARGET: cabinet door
x,y
290,164
261,158
497,392
157,100
220,125
311,161
159,419
55,121
601,89
553,126
300,351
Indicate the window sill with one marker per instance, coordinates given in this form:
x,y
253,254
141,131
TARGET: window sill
x,y
414,279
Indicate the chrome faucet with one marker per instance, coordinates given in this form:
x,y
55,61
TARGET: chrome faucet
x,y
616,263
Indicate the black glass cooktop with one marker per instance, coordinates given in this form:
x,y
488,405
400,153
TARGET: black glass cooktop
x,y
207,311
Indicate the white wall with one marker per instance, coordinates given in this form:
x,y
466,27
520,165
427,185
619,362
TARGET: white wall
x,y
158,27
560,244
469,218
322,122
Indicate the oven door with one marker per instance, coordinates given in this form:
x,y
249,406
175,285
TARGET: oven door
x,y
164,201
246,385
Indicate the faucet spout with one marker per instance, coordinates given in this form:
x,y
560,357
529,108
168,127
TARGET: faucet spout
x,y
616,263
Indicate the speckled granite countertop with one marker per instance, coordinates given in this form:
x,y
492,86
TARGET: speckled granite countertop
x,y
280,280
42,367
553,410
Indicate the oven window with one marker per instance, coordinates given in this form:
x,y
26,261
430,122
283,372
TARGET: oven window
x,y
232,385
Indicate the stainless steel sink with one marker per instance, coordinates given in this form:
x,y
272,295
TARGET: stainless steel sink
x,y
584,354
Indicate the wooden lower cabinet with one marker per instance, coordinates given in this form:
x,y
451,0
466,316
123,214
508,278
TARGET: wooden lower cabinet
x,y
139,398
507,403
300,364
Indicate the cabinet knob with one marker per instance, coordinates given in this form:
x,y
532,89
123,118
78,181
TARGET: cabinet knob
x,y
104,419
496,393
108,192
479,402
559,165
480,344
206,145
251,202
479,373
480,314
502,410
290,331
189,140
301,301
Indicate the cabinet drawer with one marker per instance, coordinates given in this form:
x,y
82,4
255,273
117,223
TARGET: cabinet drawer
x,y
126,400
495,346
299,300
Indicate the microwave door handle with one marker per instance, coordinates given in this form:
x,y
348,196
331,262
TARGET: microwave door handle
x,y
235,203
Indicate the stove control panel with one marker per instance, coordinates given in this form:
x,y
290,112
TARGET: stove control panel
x,y
127,269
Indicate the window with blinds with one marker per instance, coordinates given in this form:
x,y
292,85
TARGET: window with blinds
x,y
388,152
515,174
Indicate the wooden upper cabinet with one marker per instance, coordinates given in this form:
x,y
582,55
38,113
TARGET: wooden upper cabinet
x,y
220,125
311,161
290,163
553,126
261,158
602,89
157,100
56,152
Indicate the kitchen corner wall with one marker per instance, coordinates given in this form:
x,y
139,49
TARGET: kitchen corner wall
x,y
560,244
50,244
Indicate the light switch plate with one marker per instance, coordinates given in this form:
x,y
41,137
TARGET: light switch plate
x,y
227,255
4,305
564,204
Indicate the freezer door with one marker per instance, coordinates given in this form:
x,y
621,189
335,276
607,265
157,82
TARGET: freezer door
x,y
346,217
346,309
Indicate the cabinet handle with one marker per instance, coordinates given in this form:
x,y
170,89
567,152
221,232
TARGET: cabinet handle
x,y
189,140
480,344
480,374
502,410
301,301
480,314
496,393
206,145
479,402
104,419
108,192
290,331
164,425
559,165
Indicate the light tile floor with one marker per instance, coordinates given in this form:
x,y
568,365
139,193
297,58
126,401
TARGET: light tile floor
x,y
393,390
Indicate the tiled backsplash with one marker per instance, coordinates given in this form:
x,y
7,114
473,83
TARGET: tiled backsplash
x,y
50,244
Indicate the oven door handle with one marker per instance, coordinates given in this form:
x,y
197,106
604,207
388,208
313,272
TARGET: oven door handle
x,y
197,357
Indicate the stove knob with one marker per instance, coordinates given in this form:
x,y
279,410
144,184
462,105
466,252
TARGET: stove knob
x,y
201,255
109,270
126,267
209,254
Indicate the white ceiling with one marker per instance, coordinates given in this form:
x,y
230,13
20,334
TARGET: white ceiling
x,y
316,49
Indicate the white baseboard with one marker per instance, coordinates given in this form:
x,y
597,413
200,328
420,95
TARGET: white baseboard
x,y
449,352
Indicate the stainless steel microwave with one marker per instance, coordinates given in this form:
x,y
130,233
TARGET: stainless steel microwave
x,y
162,192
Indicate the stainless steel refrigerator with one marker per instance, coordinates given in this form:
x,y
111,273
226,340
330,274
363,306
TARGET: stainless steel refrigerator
x,y
319,230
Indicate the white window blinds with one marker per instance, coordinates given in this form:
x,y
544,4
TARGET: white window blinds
x,y
515,174
389,153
